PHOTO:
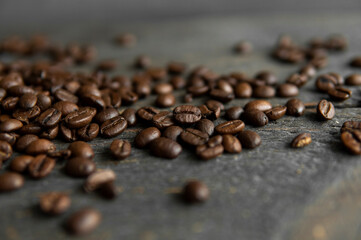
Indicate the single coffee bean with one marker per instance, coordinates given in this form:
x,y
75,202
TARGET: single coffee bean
x,y
111,99
187,114
40,146
165,148
230,127
206,126
20,163
325,82
351,126
10,80
188,98
97,179
261,105
147,113
146,136
301,140
165,100
129,114
255,118
249,139
65,107
4,117
195,192
276,112
163,119
10,181
295,107
24,141
163,88
64,95
31,128
352,141
178,82
213,105
194,137
44,102
68,134
157,73
325,110
80,118
120,149
243,90
80,167
83,221
108,190
267,76
356,62
207,152
41,166
340,93
105,115
49,118
234,113
221,95
308,70
9,103
297,79
287,90
5,151
339,79
353,79
264,92
231,144
173,132
88,132
113,127
28,100
210,113
10,125
129,97
216,140
54,203
93,101
60,155
81,149
9,137
26,115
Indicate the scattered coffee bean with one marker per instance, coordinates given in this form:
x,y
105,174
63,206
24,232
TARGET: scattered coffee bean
x,y
163,119
352,141
146,136
173,132
194,137
108,190
81,149
264,91
49,118
255,118
105,115
356,62
80,118
147,113
142,62
165,100
340,94
97,179
10,181
40,146
276,112
260,105
243,47
206,126
65,107
295,107
351,126
230,127
165,148
10,125
243,90
41,166
120,149
301,140
353,79
187,114
129,114
195,192
28,100
107,65
231,144
207,152
83,221
20,163
325,82
5,151
80,167
126,39
297,79
308,70
54,203
234,113
249,139
287,90
113,127
88,132
325,110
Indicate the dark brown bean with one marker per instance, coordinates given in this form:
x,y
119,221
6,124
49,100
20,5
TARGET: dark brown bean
x,y
165,100
60,155
234,113
26,115
165,148
41,166
267,76
339,93
163,88
129,114
261,105
249,139
231,144
177,82
105,115
80,118
9,138
9,103
295,107
352,141
221,95
31,128
142,62
10,125
40,146
81,149
120,149
325,82
44,102
54,203
49,118
79,167
205,126
97,179
301,140
325,110
287,90
83,221
28,100
194,137
195,192
207,152
353,79
65,107
20,163
187,114
243,90
264,92
88,132
68,134
10,181
230,127
24,141
308,70
163,119
5,151
243,47
146,136
276,112
351,126
107,65
113,127
297,79
64,95
108,190
255,118
147,113
210,113
173,132
356,62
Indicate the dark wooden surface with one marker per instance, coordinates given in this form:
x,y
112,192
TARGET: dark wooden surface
x,y
272,192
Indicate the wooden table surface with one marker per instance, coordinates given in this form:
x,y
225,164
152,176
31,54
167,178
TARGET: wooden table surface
x,y
272,192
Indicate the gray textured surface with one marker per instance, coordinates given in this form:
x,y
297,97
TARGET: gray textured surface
x,y
272,192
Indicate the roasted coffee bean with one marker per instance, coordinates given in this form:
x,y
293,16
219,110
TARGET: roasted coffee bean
x,y
230,127
243,47
165,100
9,103
336,43
352,141
267,76
165,148
178,82
105,115
157,73
83,221
297,79
112,99
113,127
44,102
129,114
64,95
308,70
195,192
163,119
20,164
301,140
205,126
339,79
176,68
5,151
351,126
188,98
249,139
255,118
26,115
210,113
60,155
146,136
194,137
142,62
163,88
68,134
49,118
41,166
10,80
214,105
128,97
216,140
2,94
353,79
295,107
197,91
88,132
142,89
80,118
287,90
81,149
10,125
325,82
233,113
172,132
243,90
187,114
356,62
28,100
65,107
264,92
97,179
107,65
207,152
120,149
23,142
10,181
79,167
4,117
221,95
276,112
108,190
54,203
9,138
325,110
340,94
261,105
224,85
231,144
147,113
93,101
40,146
31,128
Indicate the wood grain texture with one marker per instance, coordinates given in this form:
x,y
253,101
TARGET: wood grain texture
x,y
271,192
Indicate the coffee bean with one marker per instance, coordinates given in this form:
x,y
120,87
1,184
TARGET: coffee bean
x,y
249,139
40,146
165,100
163,88
339,79
10,80
41,166
10,181
325,110
24,141
49,118
255,118
129,97
221,95
297,79
230,127
28,100
194,137
93,101
353,79
20,163
142,62
31,128
173,132
26,115
105,115
44,102
234,113
97,179
80,167
216,140
60,155
163,119
325,82
129,114
111,99
352,141
351,126
146,136
9,137
243,90
210,113
89,132
177,82
107,65
301,140
295,107
356,62
10,125
231,144
147,113
205,126
207,152
264,92
80,118
83,221
5,151
64,95
142,89
68,134
113,127
197,91
267,76
65,107
176,68
165,148
195,192
9,103
276,112
214,105
340,94
308,70
108,190
287,90
120,149
81,149
54,203
336,43
187,114
261,105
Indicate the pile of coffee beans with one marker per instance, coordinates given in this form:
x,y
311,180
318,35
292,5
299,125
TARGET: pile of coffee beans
x,y
43,100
